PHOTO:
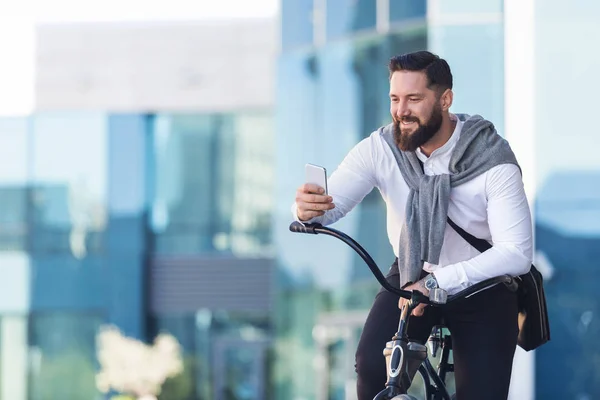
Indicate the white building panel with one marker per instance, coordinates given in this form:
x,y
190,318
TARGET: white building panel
x,y
208,66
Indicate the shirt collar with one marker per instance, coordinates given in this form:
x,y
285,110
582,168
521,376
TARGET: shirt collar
x,y
448,146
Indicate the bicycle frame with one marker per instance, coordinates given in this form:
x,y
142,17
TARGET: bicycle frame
x,y
400,369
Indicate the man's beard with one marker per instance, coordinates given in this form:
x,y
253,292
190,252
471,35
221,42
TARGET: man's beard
x,y
412,141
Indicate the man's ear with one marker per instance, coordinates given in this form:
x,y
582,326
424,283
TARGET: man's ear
x,y
446,99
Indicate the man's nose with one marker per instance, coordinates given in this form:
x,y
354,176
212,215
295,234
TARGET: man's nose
x,y
402,111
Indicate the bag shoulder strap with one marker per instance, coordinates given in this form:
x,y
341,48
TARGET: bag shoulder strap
x,y
479,244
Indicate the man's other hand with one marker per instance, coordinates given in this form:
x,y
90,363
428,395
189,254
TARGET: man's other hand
x,y
420,286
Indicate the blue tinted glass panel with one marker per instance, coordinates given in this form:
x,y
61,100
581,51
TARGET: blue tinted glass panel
x,y
14,175
567,203
127,235
194,338
183,205
62,282
476,57
213,183
403,10
296,23
69,174
63,346
129,141
207,339
347,16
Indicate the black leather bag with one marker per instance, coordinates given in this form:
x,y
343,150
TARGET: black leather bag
x,y
534,328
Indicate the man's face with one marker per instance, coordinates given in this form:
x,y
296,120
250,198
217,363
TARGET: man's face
x,y
415,109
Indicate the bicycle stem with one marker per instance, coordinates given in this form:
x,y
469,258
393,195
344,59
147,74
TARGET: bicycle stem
x,y
403,324
397,365
405,314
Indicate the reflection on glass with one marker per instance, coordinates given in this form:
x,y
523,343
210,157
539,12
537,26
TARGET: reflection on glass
x,y
214,182
567,203
347,16
61,347
14,153
194,382
239,364
403,10
298,28
225,355
475,53
69,175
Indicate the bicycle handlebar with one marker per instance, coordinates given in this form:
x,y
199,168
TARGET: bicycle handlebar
x,y
315,229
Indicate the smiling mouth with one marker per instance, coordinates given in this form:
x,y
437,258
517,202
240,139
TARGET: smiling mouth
x,y
406,123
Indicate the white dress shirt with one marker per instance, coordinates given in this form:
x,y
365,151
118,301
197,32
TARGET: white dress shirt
x,y
492,206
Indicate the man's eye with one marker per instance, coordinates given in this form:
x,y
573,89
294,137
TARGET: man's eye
x,y
414,99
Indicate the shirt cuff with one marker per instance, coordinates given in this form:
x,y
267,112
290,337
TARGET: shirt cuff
x,y
295,213
450,278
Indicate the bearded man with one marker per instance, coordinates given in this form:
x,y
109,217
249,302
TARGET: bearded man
x,y
430,165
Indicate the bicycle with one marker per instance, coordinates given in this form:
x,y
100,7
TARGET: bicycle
x,y
404,358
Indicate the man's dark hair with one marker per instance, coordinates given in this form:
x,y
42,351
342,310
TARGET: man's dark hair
x,y
437,70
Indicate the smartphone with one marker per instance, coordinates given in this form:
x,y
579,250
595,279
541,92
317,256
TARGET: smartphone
x,y
317,175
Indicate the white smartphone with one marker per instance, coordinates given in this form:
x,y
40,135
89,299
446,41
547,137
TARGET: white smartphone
x,y
317,175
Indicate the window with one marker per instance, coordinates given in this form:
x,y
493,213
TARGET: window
x,y
69,178
403,10
475,53
14,180
62,346
567,203
296,23
223,352
213,183
345,17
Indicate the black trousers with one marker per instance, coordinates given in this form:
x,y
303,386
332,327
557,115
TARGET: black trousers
x,y
484,337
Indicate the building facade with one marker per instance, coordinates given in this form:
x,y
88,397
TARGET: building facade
x,y
137,193
517,63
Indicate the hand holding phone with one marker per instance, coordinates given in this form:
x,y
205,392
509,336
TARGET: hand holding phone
x,y
312,199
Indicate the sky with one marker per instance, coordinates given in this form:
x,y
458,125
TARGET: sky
x,y
136,10
18,17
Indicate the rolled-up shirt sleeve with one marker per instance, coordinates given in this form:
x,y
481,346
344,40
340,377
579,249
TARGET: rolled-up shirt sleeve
x,y
510,224
350,182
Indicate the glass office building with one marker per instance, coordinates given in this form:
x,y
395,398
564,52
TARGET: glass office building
x,y
141,221
567,202
136,190
521,64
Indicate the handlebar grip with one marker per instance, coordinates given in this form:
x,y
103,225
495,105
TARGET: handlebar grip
x,y
301,228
